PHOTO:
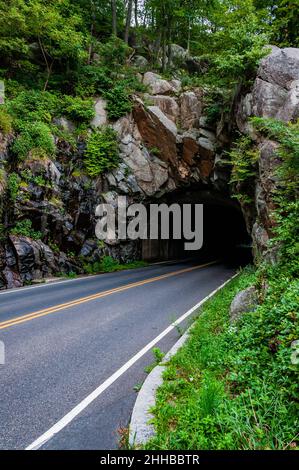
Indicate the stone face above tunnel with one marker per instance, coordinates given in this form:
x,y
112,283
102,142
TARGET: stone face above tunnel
x,y
167,144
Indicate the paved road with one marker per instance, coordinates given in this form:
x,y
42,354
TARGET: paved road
x,y
63,340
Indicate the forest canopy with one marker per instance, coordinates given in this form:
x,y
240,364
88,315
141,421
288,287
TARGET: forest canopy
x,y
47,44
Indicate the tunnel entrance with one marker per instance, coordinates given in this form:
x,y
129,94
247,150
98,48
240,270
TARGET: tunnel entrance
x,y
224,231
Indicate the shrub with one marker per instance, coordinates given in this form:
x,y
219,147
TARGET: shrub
x,y
33,135
24,228
102,152
5,122
13,182
114,53
33,105
94,80
78,109
2,177
118,101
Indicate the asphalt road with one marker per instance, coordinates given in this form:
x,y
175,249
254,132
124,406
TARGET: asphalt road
x,y
63,340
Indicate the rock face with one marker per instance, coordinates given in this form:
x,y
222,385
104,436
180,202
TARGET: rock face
x,y
275,94
157,85
245,301
167,105
157,131
165,146
190,110
100,118
275,91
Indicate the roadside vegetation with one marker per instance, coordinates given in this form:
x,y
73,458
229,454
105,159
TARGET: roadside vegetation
x,y
235,386
110,265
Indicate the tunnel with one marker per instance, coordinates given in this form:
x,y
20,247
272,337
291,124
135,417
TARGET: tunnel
x,y
225,236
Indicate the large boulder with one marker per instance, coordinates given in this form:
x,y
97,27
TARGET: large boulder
x,y
140,62
275,92
267,99
149,173
290,108
245,301
190,110
280,67
100,117
157,85
44,167
157,131
190,147
168,106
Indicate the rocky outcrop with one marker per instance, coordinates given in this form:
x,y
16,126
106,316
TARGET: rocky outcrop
x,y
166,144
191,106
157,85
275,94
100,117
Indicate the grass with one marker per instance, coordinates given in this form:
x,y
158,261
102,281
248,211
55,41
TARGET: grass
x,y
234,387
109,265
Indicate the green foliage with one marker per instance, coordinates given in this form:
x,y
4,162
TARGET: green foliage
x,y
108,264
78,109
13,183
102,152
5,122
234,387
2,176
158,355
33,135
24,228
34,105
286,212
243,158
118,101
94,79
114,53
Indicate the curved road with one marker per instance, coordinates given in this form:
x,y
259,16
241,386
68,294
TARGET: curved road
x,y
71,350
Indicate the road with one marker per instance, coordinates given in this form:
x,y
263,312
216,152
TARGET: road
x,y
74,339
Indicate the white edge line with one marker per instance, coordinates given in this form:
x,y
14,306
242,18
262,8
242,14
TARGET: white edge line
x,y
63,422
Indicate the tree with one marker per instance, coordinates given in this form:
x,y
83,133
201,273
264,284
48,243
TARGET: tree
x,y
114,17
128,20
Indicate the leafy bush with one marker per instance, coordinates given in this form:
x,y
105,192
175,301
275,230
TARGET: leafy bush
x,y
34,105
286,213
118,101
33,135
5,122
94,80
78,109
114,52
108,264
13,182
2,177
24,228
102,151
234,387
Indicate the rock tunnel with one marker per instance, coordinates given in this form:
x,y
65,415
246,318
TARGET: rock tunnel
x,y
225,236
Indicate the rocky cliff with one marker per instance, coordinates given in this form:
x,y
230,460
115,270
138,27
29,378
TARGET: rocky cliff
x,y
166,144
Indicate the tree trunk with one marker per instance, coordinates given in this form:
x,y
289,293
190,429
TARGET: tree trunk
x,y
114,18
163,50
136,13
128,21
189,36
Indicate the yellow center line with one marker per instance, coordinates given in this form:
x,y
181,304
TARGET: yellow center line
x,y
99,295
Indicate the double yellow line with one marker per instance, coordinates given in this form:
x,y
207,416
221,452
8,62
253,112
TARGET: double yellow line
x,y
82,300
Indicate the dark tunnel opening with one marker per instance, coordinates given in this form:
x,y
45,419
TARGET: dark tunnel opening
x,y
225,236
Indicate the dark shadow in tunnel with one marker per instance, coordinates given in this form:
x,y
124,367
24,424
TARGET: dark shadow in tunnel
x,y
224,232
